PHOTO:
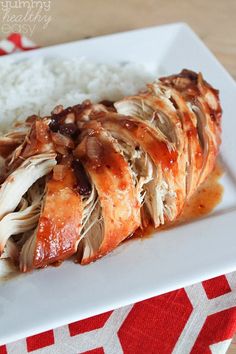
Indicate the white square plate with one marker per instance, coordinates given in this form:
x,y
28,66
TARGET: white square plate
x,y
137,270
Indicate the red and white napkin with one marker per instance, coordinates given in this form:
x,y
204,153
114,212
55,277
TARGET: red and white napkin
x,y
197,319
15,42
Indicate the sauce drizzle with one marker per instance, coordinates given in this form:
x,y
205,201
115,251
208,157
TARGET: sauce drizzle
x,y
205,199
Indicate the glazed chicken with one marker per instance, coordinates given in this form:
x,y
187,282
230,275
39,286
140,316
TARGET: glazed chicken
x,y
81,181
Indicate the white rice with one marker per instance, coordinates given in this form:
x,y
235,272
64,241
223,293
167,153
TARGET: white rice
x,y
35,86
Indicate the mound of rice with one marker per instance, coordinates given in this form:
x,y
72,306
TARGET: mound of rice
x,y
37,85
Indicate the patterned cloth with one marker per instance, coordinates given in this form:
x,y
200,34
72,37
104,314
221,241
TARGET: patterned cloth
x,y
197,319
15,43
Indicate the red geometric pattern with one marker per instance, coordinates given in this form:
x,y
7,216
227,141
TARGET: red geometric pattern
x,y
89,324
173,308
41,340
94,351
216,287
190,320
212,332
3,349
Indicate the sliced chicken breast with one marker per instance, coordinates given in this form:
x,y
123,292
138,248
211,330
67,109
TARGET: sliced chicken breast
x,y
155,107
192,150
18,183
203,102
117,211
20,221
85,178
10,141
163,155
59,226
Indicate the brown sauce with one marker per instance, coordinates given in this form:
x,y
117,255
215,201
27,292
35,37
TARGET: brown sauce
x,y
206,198
145,137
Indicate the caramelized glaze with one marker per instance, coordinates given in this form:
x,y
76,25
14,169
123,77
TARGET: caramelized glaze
x,y
146,137
58,228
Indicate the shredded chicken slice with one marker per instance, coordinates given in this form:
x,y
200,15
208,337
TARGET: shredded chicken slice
x,y
11,140
93,233
149,165
116,211
156,112
27,252
59,224
11,251
200,110
25,219
155,108
17,184
154,193
89,206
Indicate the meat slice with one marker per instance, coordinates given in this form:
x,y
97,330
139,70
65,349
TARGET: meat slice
x,y
59,226
39,140
190,149
165,193
11,251
20,221
10,141
35,141
116,211
18,183
155,108
203,102
14,221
